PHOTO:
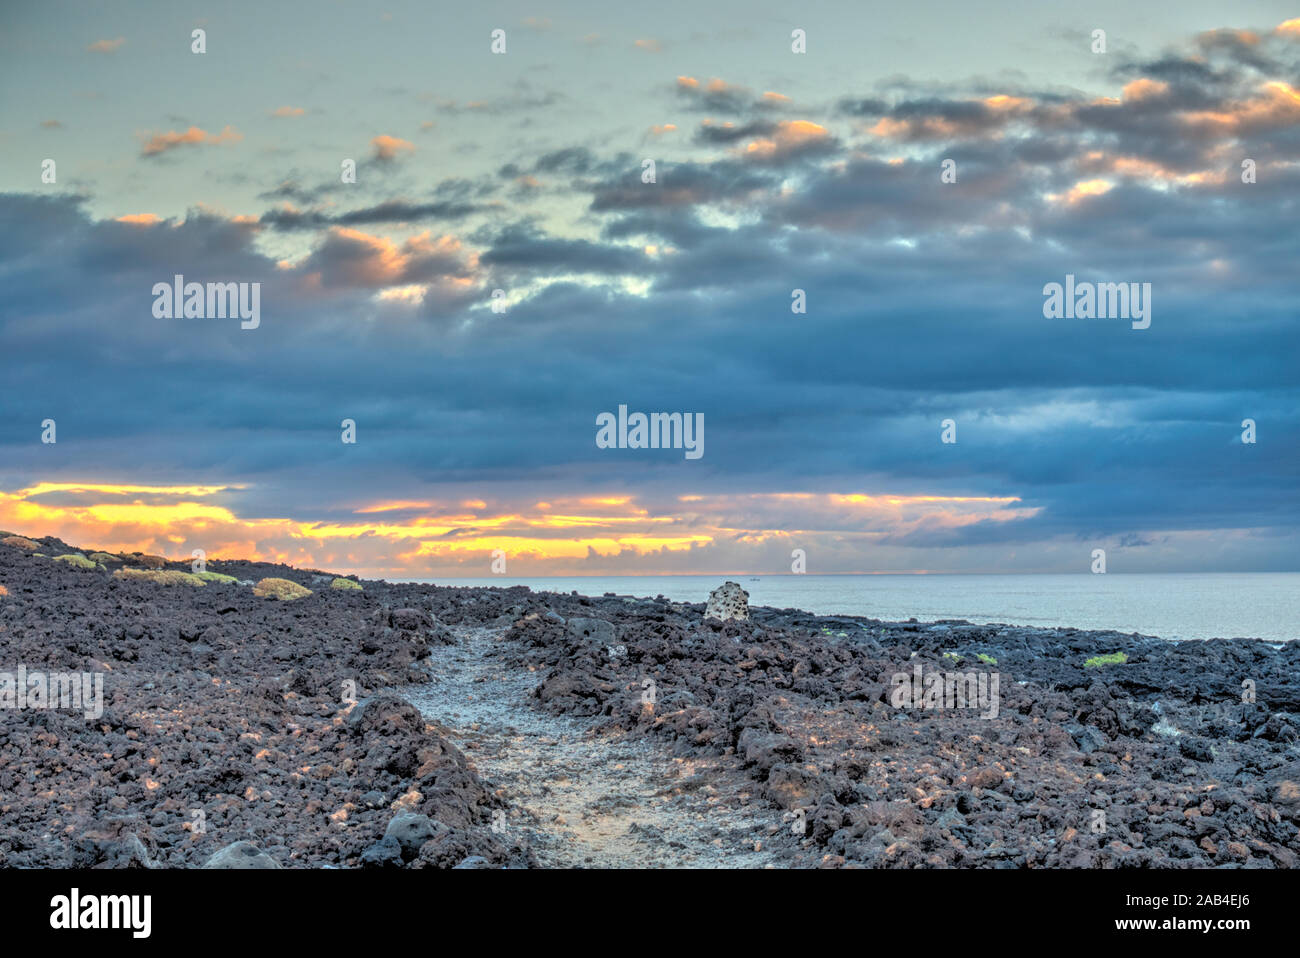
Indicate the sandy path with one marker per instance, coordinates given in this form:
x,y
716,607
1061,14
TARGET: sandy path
x,y
584,799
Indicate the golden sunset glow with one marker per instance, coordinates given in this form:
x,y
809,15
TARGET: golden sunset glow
x,y
425,537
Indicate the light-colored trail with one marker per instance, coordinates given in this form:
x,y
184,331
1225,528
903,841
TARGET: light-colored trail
x,y
587,800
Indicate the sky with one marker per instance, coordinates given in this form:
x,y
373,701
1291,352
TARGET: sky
x,y
501,273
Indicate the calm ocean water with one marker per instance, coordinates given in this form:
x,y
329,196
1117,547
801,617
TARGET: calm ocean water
x,y
1263,605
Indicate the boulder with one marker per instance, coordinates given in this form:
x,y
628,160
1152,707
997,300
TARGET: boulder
x,y
596,631
241,855
385,853
387,712
728,601
409,620
411,830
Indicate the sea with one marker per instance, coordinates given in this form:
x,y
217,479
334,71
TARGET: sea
x,y
1180,606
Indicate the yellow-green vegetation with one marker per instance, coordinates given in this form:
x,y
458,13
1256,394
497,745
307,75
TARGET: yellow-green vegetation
x,y
145,560
986,659
215,577
20,542
281,589
78,561
1097,661
105,557
341,583
952,655
160,576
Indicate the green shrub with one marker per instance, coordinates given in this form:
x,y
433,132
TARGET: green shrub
x,y
159,576
1097,661
78,561
281,589
215,577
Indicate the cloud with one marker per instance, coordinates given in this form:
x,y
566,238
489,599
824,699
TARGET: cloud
x,y
286,111
718,96
388,148
790,139
351,258
140,219
106,46
155,144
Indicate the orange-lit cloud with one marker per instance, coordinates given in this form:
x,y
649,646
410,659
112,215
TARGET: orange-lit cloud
x,y
140,219
991,116
1145,89
790,137
1084,189
351,257
1277,107
1141,168
156,143
388,147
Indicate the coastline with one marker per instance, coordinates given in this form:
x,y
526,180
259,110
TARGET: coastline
x,y
782,733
